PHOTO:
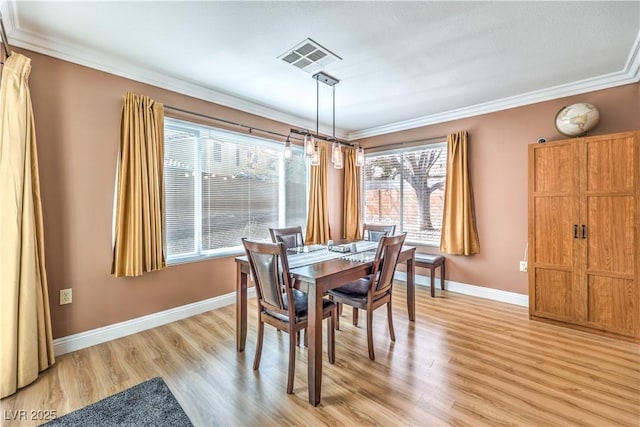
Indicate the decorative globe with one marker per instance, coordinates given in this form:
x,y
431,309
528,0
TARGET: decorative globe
x,y
577,119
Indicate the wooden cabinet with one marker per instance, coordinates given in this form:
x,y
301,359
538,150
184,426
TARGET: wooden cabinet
x,y
584,232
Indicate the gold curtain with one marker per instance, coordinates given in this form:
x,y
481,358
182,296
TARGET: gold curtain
x,y
26,343
352,196
459,234
139,232
318,219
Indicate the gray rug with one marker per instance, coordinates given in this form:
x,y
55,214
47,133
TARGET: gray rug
x,y
148,404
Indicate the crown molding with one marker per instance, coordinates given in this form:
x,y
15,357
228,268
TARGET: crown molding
x,y
633,62
109,64
630,74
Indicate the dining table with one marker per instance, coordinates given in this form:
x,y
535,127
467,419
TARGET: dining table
x,y
316,269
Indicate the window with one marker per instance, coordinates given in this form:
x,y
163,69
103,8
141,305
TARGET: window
x,y
406,188
221,186
217,151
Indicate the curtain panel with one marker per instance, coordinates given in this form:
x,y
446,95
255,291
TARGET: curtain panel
x,y
459,234
352,196
26,343
139,212
318,218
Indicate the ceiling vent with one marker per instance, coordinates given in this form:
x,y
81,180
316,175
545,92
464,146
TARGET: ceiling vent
x,y
309,56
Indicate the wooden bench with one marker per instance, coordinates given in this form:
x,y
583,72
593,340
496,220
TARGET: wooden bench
x,y
432,261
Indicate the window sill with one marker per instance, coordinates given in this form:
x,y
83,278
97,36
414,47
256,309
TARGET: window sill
x,y
231,252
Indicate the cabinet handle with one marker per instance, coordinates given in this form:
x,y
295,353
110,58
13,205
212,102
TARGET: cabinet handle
x,y
575,231
584,231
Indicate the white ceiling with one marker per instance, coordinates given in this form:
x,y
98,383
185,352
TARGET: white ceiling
x,y
404,64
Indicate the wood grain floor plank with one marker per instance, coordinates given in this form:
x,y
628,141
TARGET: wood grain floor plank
x,y
465,361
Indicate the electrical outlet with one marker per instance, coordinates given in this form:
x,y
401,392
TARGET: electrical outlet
x,y
523,266
66,296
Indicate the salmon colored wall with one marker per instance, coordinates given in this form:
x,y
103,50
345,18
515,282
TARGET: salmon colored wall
x,y
77,115
498,163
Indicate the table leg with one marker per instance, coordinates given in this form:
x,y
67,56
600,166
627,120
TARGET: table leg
x,y
411,288
241,308
314,330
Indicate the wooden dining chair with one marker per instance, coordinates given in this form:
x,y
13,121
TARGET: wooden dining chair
x,y
291,236
279,304
374,232
373,291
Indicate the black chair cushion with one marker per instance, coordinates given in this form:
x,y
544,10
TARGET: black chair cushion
x,y
429,258
354,292
358,288
301,306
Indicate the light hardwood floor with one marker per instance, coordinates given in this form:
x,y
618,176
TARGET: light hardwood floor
x,y
465,361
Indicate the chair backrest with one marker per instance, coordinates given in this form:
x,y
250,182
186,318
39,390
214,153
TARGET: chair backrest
x,y
385,262
270,270
374,232
290,236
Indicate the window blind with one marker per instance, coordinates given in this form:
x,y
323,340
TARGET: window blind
x,y
221,186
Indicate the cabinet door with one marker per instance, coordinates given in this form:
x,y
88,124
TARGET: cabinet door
x,y
554,290
609,232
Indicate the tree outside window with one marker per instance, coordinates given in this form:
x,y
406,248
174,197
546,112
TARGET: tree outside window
x,y
406,188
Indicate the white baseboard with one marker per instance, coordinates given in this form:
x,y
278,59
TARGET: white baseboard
x,y
118,330
476,291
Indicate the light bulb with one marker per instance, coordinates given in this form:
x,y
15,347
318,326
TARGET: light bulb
x,y
339,164
309,145
335,152
315,158
288,152
360,156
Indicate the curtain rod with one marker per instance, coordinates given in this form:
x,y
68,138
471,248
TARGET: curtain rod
x,y
414,143
5,40
305,132
229,122
252,128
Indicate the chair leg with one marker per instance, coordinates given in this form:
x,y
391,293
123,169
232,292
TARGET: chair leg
x,y
306,338
336,319
372,356
442,276
292,362
331,336
390,318
355,316
256,360
433,286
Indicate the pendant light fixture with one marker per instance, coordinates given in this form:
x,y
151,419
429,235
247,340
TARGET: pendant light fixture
x,y
336,153
336,148
309,144
310,140
338,164
359,156
288,151
315,157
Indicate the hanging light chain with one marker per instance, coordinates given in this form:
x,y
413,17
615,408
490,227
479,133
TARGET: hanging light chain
x,y
310,140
